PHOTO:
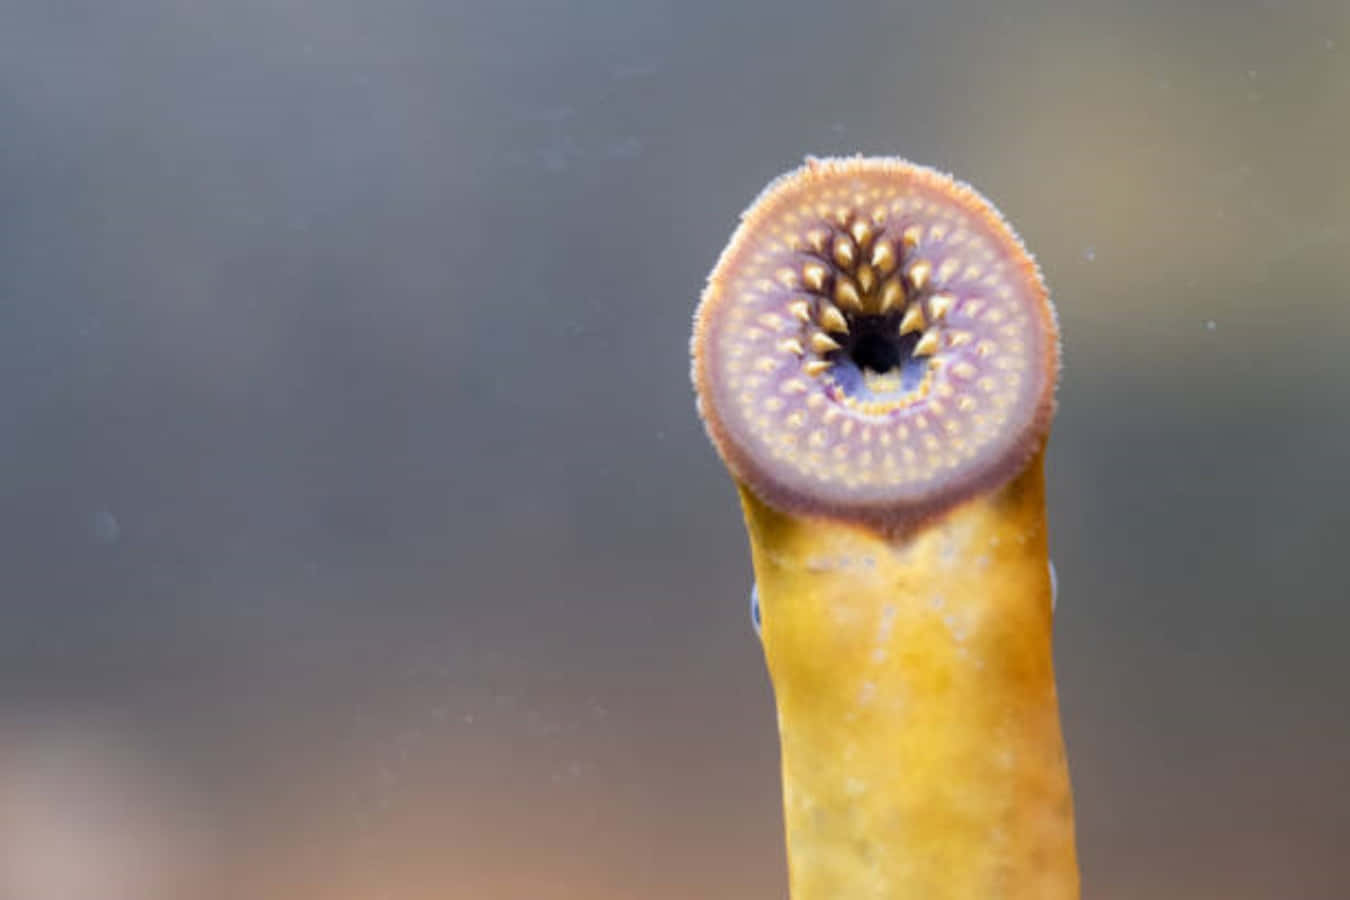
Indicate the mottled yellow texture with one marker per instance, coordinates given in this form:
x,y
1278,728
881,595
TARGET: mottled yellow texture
x,y
922,755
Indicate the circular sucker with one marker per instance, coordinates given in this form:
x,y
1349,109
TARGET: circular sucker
x,y
874,345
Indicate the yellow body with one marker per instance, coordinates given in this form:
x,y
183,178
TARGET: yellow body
x,y
922,755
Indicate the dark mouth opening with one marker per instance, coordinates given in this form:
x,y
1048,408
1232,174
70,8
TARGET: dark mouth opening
x,y
876,352
874,346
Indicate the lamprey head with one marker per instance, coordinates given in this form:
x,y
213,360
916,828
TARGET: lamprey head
x,y
875,345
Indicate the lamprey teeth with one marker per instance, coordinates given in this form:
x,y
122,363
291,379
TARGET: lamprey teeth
x,y
816,238
831,319
793,346
800,310
813,274
816,367
867,278
928,344
822,343
939,305
912,320
846,294
919,273
892,296
861,231
911,236
883,257
844,253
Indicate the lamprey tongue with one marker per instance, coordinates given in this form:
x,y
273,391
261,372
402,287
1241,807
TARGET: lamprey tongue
x,y
875,357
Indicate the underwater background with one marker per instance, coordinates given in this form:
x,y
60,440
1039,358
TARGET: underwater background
x,y
358,538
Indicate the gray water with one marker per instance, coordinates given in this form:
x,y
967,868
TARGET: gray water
x,y
357,535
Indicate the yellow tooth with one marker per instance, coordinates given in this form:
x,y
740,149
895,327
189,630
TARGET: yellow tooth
x,y
793,346
948,269
867,278
816,238
844,253
960,338
831,319
814,275
919,274
883,257
939,305
793,386
823,343
892,296
911,236
787,278
846,294
816,367
800,309
913,320
963,369
927,344
861,231
972,307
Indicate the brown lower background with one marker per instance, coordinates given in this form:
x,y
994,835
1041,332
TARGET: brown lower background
x,y
357,536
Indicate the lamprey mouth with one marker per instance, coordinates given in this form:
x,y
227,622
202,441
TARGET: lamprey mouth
x,y
875,344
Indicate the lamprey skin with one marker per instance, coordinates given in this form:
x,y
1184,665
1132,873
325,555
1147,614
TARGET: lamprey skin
x,y
916,700
875,358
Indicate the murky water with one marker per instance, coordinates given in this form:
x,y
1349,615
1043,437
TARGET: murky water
x,y
358,536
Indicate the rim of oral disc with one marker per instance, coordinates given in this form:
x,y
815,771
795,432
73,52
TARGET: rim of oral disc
x,y
875,344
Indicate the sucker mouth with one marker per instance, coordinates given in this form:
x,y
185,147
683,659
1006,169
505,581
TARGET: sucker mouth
x,y
874,332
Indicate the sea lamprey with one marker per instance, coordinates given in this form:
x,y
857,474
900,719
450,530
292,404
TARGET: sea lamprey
x,y
875,357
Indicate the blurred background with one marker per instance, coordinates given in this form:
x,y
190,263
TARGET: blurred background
x,y
357,535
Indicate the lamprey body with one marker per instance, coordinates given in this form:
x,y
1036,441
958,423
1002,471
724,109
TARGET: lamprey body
x,y
875,358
